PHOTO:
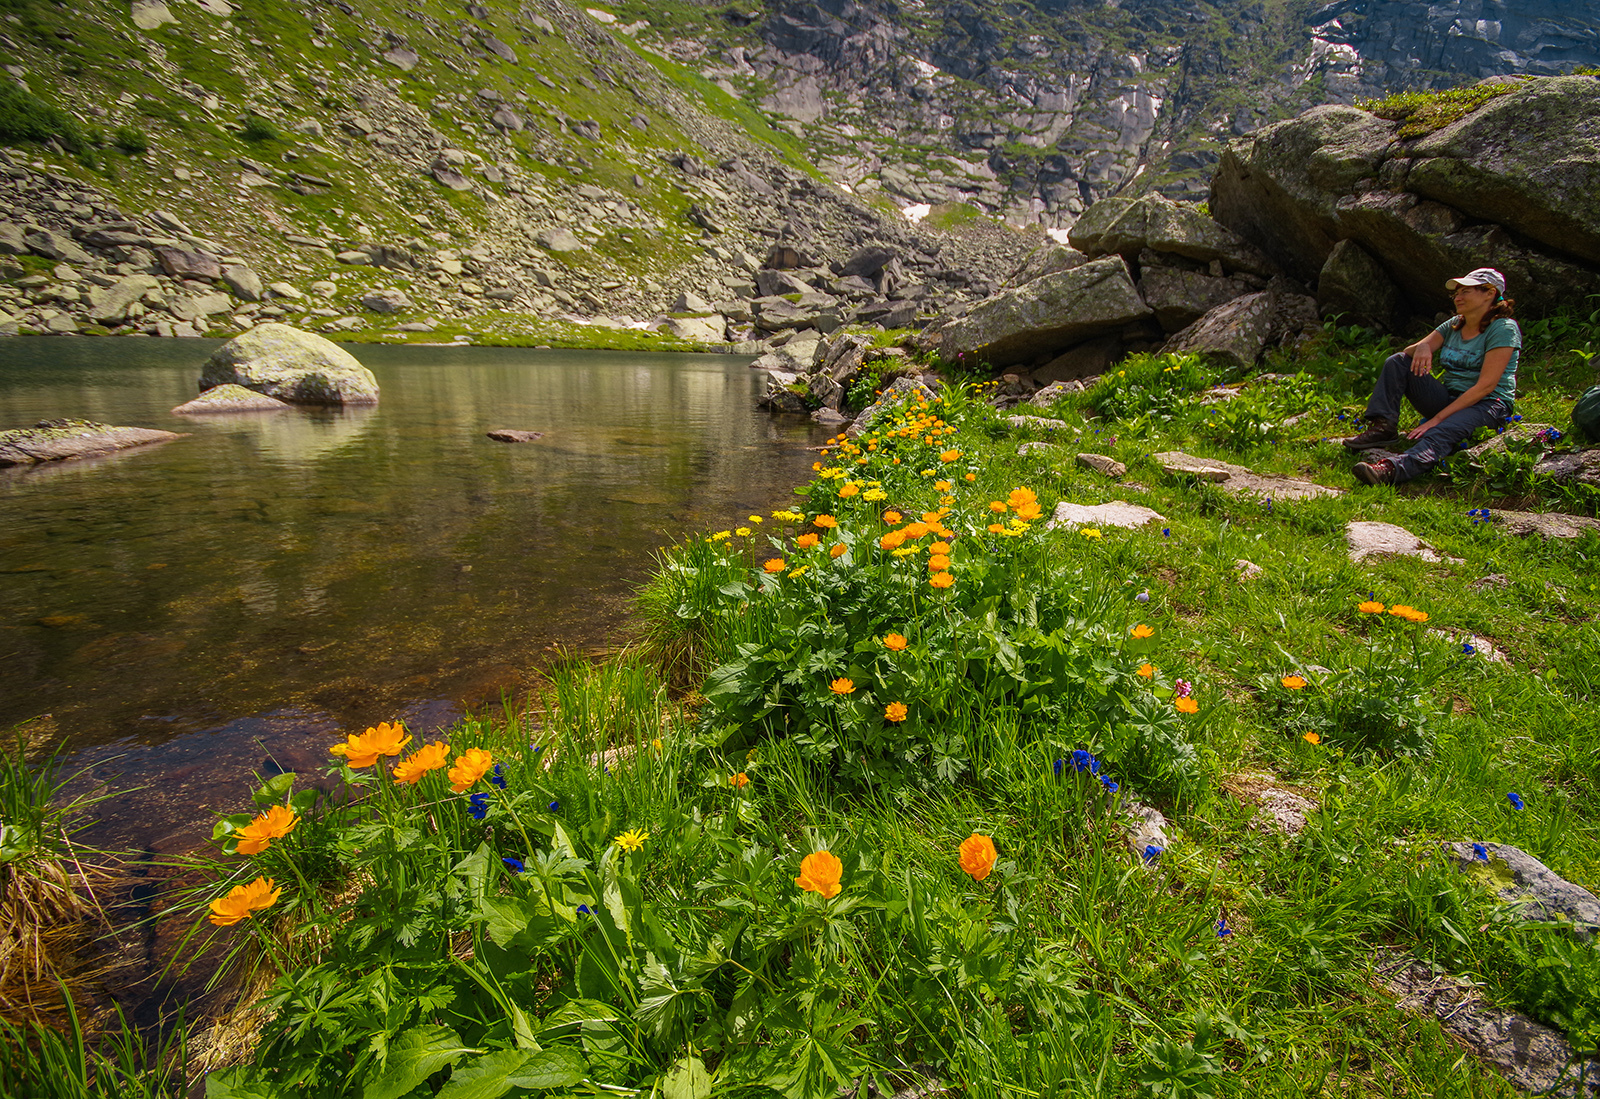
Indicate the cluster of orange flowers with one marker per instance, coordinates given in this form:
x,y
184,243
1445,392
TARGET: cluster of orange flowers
x,y
821,871
365,749
244,901
1023,504
1399,610
915,421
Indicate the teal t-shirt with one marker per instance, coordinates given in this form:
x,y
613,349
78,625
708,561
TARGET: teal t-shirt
x,y
1461,361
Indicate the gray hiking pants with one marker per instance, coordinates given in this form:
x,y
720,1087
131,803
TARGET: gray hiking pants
x,y
1428,396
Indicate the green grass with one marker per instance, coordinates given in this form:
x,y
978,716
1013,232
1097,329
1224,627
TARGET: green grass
x,y
1421,113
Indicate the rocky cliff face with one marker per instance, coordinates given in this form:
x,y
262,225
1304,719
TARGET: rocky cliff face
x,y
1034,112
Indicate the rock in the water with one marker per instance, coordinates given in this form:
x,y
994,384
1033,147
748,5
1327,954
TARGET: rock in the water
x,y
1240,480
291,365
1047,314
230,398
1367,539
61,440
1118,513
1518,878
510,435
1103,463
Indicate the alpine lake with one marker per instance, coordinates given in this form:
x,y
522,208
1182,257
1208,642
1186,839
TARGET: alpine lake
x,y
184,617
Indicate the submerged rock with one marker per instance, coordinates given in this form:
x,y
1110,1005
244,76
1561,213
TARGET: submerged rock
x,y
291,365
62,440
511,435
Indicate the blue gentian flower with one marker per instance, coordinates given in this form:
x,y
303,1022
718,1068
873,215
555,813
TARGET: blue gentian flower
x,y
1082,761
1468,648
1152,852
555,807
1058,765
585,910
1166,532
1223,930
478,806
499,777
1515,800
1479,851
514,865
1111,787
1517,419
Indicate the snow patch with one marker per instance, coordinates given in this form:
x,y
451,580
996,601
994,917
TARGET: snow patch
x,y
928,71
1057,235
917,212
600,16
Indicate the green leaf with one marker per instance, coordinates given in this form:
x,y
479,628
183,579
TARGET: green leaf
x,y
486,1077
274,789
234,1083
688,1079
579,1011
552,1068
505,919
414,1056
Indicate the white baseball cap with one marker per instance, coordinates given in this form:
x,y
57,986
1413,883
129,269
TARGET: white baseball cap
x,y
1483,276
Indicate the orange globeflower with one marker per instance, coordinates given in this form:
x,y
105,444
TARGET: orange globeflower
x,y
891,517
258,835
949,455
1148,671
1370,607
938,563
363,749
1030,512
978,855
848,489
1293,682
243,902
824,522
1312,738
894,642
806,541
842,686
1141,631
941,580
775,564
895,711
942,486
893,540
469,767
939,547
739,781
819,873
430,757
838,549
972,476
997,507
996,528
1187,706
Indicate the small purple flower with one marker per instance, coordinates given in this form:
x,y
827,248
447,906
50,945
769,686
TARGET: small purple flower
x,y
1479,851
1515,800
1183,688
1152,852
478,806
1142,597
1082,761
513,865
1166,532
1468,648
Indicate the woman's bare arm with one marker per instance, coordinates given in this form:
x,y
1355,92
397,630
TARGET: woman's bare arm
x,y
1421,354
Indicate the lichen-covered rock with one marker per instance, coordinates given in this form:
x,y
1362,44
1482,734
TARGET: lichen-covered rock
x,y
1127,227
1355,288
291,365
1047,314
1234,333
1179,298
230,398
62,440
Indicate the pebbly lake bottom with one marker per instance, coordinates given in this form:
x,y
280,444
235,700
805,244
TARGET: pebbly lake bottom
x,y
184,616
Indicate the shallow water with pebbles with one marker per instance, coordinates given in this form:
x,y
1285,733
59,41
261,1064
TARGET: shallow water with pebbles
x,y
230,601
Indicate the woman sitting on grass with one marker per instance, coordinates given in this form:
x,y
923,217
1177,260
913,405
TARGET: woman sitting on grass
x,y
1478,350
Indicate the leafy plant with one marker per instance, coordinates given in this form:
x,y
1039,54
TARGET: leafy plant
x,y
1420,113
257,130
131,140
26,117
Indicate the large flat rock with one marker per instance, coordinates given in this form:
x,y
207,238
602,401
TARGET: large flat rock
x,y
228,399
62,440
1240,480
1118,513
1368,539
1546,524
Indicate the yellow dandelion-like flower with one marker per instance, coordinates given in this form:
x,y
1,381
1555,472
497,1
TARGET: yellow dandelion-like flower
x,y
631,840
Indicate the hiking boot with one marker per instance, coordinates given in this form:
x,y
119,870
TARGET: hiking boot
x,y
1379,433
1381,472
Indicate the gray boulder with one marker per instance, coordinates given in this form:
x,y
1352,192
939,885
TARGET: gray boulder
x,y
291,365
110,304
1354,287
13,239
385,301
1127,227
558,240
183,263
1580,467
898,392
245,283
54,245
708,329
230,398
1047,314
1233,334
771,283
1516,877
1047,260
189,307
1179,297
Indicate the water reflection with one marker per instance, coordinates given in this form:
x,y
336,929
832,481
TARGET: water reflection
x,y
352,563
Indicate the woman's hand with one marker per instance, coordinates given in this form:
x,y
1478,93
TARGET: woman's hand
x,y
1422,359
1422,429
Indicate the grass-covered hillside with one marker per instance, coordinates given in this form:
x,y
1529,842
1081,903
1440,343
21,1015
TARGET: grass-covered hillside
x,y
906,783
